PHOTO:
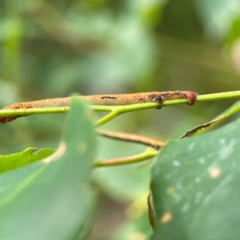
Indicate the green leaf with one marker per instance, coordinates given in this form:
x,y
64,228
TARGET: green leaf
x,y
234,33
149,11
195,187
16,160
206,126
51,199
217,16
134,228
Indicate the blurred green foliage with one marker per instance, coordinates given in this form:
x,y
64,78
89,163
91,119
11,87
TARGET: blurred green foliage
x,y
53,198
55,48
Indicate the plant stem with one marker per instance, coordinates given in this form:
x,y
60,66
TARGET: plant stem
x,y
31,111
218,96
130,137
117,110
147,154
107,118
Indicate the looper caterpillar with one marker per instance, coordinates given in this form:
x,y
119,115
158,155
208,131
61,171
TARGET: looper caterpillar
x,y
104,99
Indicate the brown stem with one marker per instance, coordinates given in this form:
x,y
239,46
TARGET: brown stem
x,y
130,137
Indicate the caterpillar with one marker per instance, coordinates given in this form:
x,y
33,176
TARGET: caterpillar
x,y
104,99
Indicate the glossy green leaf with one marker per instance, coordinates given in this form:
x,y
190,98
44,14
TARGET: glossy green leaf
x,y
16,160
51,199
195,187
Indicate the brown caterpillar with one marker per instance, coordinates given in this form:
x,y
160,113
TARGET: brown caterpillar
x,y
104,99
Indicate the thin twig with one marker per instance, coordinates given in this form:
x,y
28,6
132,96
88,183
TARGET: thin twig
x,y
10,114
107,118
130,137
147,154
